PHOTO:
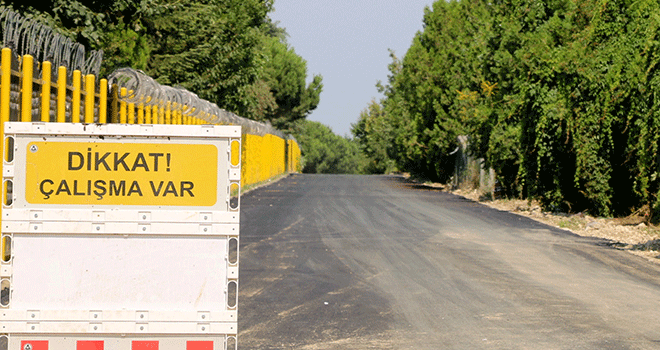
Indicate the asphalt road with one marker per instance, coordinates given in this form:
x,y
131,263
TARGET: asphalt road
x,y
376,262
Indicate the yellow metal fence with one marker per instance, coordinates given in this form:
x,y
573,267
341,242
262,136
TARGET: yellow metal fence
x,y
33,91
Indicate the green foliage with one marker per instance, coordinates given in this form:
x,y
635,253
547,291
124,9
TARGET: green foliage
x,y
226,51
285,73
124,47
559,97
373,132
503,154
231,53
209,47
112,26
324,152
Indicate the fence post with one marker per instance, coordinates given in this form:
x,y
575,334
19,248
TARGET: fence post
x,y
122,107
161,114
46,68
61,94
131,113
114,104
103,101
26,90
5,89
89,98
5,93
75,99
147,113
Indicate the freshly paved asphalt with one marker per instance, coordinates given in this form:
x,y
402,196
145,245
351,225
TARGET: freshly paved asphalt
x,y
376,262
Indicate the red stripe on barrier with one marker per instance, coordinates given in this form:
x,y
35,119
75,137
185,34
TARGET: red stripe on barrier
x,y
199,345
89,345
34,344
145,345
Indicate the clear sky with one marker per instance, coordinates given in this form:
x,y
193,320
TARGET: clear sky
x,y
346,41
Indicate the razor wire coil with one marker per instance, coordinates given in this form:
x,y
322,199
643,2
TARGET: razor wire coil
x,y
144,90
26,36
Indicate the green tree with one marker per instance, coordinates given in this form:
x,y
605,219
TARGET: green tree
x,y
210,47
324,152
560,97
374,133
285,73
227,52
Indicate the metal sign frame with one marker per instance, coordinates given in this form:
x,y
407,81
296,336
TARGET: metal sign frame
x,y
124,276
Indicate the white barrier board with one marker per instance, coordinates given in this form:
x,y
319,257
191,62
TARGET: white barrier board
x,y
120,236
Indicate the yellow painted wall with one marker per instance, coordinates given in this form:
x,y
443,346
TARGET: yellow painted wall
x,y
294,156
263,157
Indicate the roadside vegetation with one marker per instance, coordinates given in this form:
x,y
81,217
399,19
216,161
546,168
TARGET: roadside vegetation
x,y
559,97
326,152
228,52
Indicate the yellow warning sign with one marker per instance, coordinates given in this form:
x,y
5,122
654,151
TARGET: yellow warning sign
x,y
105,173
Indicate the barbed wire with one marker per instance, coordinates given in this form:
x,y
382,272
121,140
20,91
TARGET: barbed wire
x,y
142,89
26,36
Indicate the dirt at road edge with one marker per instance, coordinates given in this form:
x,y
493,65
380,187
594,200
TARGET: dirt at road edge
x,y
631,234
